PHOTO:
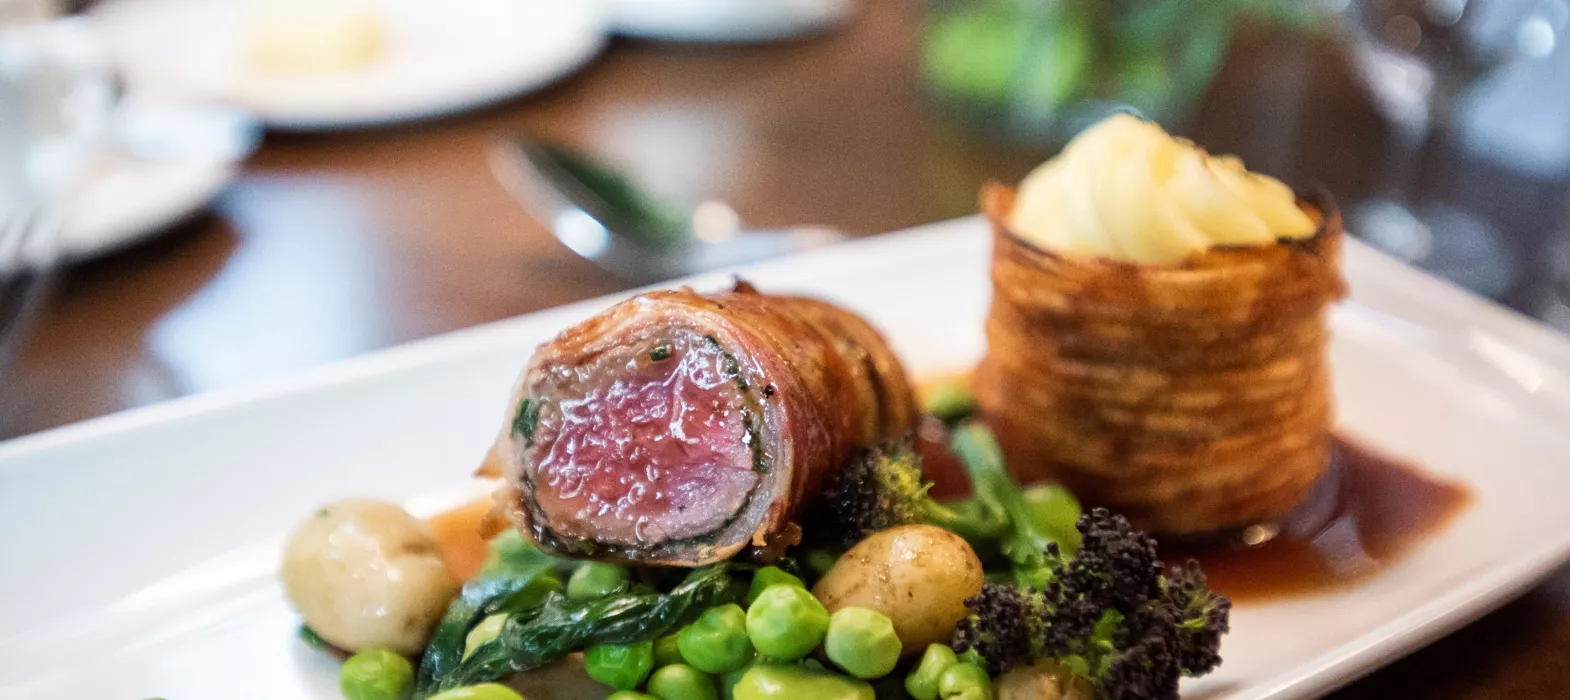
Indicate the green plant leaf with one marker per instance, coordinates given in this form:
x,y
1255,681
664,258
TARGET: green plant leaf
x,y
974,55
1057,62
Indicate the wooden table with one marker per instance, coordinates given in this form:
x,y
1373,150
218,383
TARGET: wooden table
x,y
333,245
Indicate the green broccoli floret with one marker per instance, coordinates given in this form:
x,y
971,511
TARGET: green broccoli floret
x,y
1108,613
1031,530
884,488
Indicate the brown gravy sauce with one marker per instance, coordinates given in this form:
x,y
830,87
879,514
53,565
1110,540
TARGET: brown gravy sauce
x,y
1366,513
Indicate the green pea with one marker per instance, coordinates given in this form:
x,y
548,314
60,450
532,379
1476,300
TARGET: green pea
x,y
682,682
972,656
622,667
376,674
771,576
717,641
488,629
533,594
729,680
862,642
592,580
786,623
667,651
821,560
796,682
483,691
922,683
629,695
965,681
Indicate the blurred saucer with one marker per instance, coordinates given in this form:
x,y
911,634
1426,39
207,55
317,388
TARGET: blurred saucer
x,y
161,164
425,59
727,21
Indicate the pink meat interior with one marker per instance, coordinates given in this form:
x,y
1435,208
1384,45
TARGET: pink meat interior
x,y
644,444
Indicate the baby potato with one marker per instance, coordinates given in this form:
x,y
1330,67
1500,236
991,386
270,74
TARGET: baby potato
x,y
367,574
1045,680
917,575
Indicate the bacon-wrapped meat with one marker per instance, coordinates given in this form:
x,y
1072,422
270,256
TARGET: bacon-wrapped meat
x,y
679,429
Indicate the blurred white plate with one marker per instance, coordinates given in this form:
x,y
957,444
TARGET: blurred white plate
x,y
140,548
438,57
727,21
164,163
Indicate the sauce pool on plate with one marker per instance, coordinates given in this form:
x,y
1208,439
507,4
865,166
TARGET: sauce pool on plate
x,y
1368,512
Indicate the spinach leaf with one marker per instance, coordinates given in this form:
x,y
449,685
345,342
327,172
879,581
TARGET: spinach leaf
x,y
513,564
561,626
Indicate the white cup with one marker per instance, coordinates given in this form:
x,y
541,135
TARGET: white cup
x,y
56,97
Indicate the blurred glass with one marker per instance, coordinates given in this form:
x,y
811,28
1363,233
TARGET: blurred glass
x,y
56,97
1041,70
1419,56
1419,59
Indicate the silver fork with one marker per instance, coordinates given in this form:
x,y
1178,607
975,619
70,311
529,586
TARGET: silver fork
x,y
29,257
56,96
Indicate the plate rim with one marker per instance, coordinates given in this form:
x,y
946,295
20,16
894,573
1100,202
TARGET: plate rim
x,y
1402,635
1348,661
282,119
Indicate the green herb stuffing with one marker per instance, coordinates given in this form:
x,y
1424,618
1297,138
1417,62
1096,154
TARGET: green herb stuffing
x,y
754,440
754,437
527,419
732,365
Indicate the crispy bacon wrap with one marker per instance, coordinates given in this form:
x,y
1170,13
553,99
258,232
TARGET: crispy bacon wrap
x,y
680,429
1192,397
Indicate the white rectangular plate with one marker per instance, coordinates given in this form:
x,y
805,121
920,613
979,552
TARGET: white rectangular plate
x,y
138,549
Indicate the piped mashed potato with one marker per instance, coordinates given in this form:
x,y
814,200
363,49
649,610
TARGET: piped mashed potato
x,y
313,37
1126,190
